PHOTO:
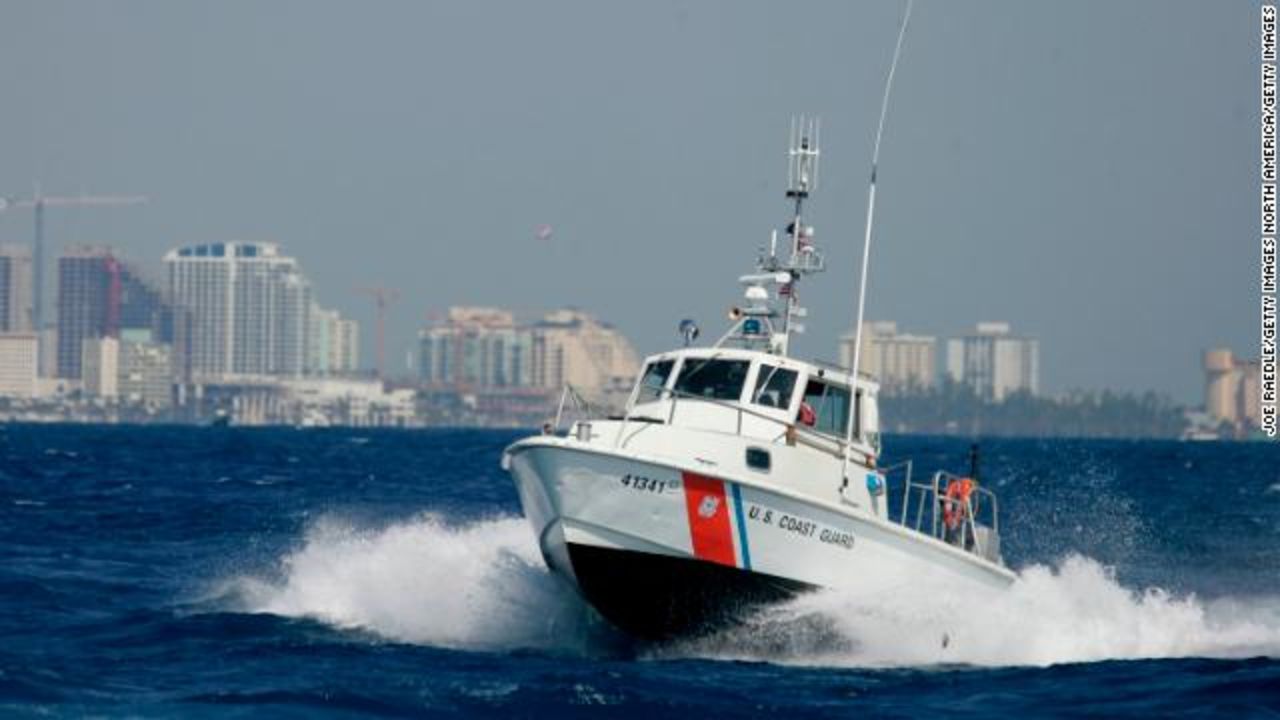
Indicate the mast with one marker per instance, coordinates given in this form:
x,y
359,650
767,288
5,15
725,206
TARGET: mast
x,y
802,178
772,311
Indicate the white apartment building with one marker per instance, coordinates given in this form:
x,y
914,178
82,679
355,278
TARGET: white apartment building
x,y
332,343
248,305
994,362
100,367
899,361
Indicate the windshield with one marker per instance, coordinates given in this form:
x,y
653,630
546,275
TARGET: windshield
x,y
708,378
653,380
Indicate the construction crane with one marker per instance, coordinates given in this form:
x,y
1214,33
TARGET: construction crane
x,y
383,298
40,202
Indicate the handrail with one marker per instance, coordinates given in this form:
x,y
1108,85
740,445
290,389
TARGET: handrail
x,y
741,409
580,405
932,495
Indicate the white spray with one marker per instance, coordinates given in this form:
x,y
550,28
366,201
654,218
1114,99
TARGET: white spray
x,y
484,586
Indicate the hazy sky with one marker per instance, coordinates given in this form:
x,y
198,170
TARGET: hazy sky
x,y
1084,170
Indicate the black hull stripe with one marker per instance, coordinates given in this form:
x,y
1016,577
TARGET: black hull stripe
x,y
658,597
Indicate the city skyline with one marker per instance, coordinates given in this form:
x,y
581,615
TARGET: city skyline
x,y
1071,213
945,359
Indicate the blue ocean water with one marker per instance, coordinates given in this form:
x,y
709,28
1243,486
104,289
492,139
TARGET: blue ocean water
x,y
190,572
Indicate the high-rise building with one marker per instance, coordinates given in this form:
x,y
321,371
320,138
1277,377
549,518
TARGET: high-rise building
x,y
331,343
344,347
994,362
318,340
248,307
475,347
98,295
15,289
900,362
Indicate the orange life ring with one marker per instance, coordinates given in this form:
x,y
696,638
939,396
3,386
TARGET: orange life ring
x,y
956,506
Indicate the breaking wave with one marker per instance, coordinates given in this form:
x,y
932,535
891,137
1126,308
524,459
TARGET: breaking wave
x,y
1074,612
483,585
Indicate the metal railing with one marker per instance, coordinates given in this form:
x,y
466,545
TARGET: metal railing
x,y
978,529
572,400
801,434
923,504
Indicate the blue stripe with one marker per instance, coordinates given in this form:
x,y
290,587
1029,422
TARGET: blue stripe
x,y
742,526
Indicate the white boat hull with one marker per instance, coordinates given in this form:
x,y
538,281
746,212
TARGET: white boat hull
x,y
662,550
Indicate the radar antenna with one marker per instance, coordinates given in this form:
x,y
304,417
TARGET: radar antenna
x,y
772,311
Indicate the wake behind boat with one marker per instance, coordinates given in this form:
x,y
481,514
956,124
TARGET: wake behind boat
x,y
739,476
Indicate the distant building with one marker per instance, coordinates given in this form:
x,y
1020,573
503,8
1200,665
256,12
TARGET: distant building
x,y
332,344
309,402
475,347
47,340
15,289
349,402
248,308
900,362
98,295
145,374
1231,391
100,367
18,365
994,362
479,365
84,287
344,347
572,347
318,340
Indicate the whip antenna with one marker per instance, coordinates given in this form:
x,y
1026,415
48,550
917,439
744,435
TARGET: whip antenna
x,y
866,241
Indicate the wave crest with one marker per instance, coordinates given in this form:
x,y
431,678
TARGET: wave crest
x,y
483,585
1074,612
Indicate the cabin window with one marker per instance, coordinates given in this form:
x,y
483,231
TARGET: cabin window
x,y
654,379
829,406
714,379
774,386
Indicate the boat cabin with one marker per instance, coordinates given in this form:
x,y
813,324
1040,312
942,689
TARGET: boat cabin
x,y
758,395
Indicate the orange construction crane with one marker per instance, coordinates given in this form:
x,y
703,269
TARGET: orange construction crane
x,y
39,202
383,298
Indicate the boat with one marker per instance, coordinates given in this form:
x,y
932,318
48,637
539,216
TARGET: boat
x,y
738,475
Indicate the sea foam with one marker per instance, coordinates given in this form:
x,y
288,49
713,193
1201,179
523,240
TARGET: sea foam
x,y
483,585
